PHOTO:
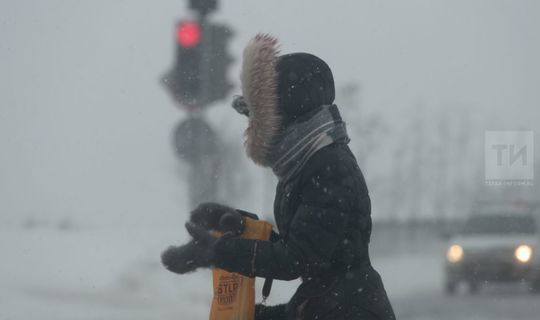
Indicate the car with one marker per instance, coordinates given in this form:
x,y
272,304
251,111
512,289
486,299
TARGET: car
x,y
495,246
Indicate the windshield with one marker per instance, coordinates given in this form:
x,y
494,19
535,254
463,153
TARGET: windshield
x,y
500,224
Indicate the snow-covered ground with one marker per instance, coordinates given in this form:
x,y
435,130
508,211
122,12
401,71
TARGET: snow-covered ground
x,y
105,273
114,273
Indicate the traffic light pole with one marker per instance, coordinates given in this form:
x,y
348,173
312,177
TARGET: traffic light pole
x,y
202,186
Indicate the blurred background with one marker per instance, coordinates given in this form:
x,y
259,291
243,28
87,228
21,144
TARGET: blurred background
x,y
104,153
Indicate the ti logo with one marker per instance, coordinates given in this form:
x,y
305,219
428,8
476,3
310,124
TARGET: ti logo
x,y
509,157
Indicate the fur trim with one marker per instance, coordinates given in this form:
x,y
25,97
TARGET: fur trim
x,y
259,79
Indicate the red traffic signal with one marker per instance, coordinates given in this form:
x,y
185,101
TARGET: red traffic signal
x,y
188,34
199,74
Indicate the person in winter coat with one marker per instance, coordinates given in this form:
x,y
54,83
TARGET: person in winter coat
x,y
322,206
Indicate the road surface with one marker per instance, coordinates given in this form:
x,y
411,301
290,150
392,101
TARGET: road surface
x,y
115,275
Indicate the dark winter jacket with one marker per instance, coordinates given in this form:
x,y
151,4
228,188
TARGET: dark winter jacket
x,y
322,207
324,222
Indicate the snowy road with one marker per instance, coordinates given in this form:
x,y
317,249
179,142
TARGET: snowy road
x,y
418,293
105,274
507,305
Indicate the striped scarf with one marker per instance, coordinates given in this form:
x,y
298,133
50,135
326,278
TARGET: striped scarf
x,y
303,139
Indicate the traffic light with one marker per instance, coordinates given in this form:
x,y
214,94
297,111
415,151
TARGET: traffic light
x,y
217,62
199,75
183,81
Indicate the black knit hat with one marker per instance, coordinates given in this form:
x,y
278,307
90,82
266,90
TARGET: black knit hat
x,y
305,83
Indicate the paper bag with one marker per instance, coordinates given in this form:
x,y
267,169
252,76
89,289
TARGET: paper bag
x,y
234,294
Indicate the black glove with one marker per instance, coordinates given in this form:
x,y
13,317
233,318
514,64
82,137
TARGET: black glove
x,y
213,216
185,258
198,253
204,240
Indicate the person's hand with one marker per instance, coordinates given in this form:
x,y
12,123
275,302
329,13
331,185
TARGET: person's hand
x,y
214,216
204,240
198,253
185,258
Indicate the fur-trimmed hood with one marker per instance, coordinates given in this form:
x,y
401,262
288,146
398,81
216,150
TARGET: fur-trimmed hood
x,y
259,79
277,91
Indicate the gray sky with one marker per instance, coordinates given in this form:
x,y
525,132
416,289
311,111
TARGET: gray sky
x,y
84,124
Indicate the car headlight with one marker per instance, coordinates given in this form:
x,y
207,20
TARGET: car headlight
x,y
523,253
455,253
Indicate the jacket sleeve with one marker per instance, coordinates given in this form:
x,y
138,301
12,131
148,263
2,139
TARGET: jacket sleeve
x,y
314,233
